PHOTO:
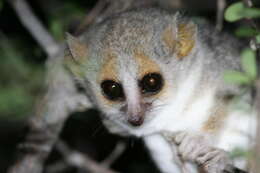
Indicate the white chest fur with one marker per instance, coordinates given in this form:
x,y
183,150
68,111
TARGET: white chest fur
x,y
166,156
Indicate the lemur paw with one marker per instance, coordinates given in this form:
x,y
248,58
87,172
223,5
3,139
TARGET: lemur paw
x,y
191,146
196,148
215,161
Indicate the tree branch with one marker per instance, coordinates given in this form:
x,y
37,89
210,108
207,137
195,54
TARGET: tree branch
x,y
221,4
83,160
255,46
119,149
60,100
80,160
117,6
252,23
59,166
90,17
34,26
256,150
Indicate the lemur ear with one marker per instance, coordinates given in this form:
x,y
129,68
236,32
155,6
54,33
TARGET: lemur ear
x,y
77,49
180,39
75,55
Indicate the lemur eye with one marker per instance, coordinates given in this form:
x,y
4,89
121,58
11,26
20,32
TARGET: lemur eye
x,y
112,90
151,83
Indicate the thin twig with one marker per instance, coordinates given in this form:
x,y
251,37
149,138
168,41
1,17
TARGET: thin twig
x,y
80,160
34,26
221,4
59,166
252,23
117,152
118,6
59,101
248,3
90,17
256,158
253,44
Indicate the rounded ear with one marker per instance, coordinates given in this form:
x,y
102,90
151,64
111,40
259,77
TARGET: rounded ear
x,y
77,49
180,39
186,38
75,55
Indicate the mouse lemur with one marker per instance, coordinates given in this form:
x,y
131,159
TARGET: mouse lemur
x,y
150,71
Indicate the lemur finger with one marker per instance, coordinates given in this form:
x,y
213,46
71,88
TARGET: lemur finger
x,y
179,137
215,161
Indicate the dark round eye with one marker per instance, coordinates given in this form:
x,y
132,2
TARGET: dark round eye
x,y
151,83
112,90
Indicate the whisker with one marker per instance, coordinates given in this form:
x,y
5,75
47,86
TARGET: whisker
x,y
156,107
117,118
120,120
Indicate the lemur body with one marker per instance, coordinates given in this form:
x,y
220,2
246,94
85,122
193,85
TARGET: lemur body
x,y
150,71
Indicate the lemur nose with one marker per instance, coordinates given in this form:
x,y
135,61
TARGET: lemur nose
x,y
136,120
135,114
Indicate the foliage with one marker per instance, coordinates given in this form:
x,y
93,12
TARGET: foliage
x,y
246,31
235,12
20,81
248,76
239,11
21,73
239,152
60,19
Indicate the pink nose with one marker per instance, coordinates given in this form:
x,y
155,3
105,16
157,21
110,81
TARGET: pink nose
x,y
136,114
136,120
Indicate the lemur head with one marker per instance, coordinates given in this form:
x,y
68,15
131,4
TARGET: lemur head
x,y
130,63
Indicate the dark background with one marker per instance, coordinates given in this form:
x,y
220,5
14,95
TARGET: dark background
x,y
22,80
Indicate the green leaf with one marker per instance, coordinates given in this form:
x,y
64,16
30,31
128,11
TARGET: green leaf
x,y
246,31
234,12
257,37
240,152
251,12
14,101
248,62
21,80
56,27
236,77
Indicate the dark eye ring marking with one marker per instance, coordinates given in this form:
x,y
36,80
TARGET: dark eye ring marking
x,y
112,90
151,83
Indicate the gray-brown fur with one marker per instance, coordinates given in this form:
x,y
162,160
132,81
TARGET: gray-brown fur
x,y
179,50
